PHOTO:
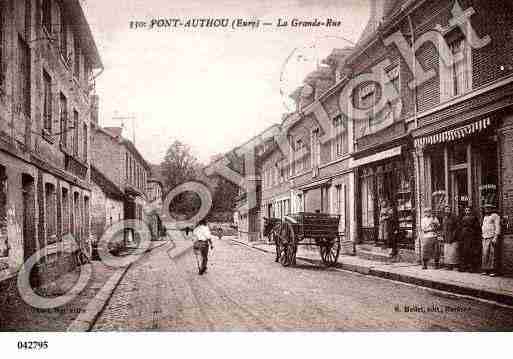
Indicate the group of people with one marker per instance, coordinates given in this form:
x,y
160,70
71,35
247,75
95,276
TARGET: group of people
x,y
468,245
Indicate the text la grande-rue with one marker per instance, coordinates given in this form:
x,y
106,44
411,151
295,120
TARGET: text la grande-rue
x,y
308,23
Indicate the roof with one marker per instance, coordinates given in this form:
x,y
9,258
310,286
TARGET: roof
x,y
114,131
131,147
115,134
107,186
86,39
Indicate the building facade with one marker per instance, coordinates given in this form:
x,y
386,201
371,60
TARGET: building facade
x,y
444,138
119,161
47,59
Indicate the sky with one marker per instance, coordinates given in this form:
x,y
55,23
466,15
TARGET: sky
x,y
211,88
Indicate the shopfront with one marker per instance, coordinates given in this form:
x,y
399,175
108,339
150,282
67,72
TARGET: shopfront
x,y
386,179
461,167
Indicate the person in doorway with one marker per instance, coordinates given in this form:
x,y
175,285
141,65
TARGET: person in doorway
x,y
491,230
386,214
470,238
203,240
450,228
429,241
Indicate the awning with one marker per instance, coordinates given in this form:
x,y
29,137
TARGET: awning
x,y
396,151
314,184
454,134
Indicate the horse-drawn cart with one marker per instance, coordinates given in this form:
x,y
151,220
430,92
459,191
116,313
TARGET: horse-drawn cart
x,y
317,229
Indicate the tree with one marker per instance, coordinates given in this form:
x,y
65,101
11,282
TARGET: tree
x,y
179,165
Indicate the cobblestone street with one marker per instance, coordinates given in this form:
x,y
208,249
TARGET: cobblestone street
x,y
245,290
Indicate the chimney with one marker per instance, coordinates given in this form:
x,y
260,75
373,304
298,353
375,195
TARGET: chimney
x,y
95,109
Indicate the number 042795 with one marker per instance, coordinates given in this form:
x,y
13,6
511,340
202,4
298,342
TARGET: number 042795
x,y
33,345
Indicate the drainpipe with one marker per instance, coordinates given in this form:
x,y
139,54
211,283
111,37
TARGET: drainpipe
x,y
415,110
418,158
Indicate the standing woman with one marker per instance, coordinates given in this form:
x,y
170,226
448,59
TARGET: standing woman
x,y
450,227
491,230
385,223
470,241
429,241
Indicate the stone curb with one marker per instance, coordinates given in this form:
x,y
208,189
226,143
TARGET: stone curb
x,y
422,282
86,320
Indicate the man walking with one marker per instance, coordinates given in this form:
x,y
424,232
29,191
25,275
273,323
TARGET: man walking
x,y
203,239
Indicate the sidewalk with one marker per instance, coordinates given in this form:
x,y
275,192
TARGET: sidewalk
x,y
81,312
176,247
499,289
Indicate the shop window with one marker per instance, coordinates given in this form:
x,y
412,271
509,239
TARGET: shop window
x,y
4,243
438,193
367,197
458,154
488,173
50,213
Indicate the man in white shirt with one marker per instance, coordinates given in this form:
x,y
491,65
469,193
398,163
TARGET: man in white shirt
x,y
491,230
203,239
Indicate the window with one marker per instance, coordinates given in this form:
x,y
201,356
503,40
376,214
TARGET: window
x,y
456,79
84,142
50,213
64,119
86,218
75,131
367,198
76,56
340,140
3,63
299,158
316,149
47,16
65,212
24,76
64,32
393,77
47,102
127,169
28,19
4,252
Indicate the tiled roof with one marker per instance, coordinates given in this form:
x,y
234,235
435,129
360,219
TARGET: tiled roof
x,y
107,186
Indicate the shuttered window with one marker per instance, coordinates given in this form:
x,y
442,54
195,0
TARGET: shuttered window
x,y
24,76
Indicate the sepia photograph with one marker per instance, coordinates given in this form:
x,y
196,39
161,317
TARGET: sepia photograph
x,y
229,166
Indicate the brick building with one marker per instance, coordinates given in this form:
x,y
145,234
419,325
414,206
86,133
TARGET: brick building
x,y
118,160
47,59
445,137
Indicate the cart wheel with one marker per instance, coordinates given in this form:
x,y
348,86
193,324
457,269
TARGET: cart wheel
x,y
330,250
287,245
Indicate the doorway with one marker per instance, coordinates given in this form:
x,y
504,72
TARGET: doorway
x,y
460,191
